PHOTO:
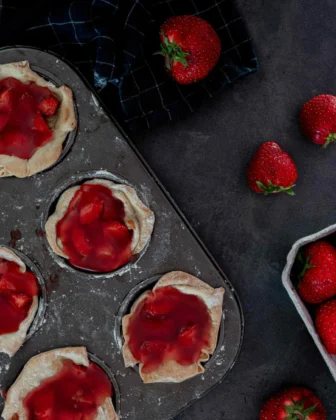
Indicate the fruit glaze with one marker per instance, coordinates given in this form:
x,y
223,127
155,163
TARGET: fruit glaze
x,y
75,393
24,112
169,325
93,232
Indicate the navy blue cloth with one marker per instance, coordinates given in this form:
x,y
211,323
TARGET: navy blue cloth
x,y
112,43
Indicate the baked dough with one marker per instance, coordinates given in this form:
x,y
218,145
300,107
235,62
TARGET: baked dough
x,y
61,124
171,371
41,367
138,217
11,342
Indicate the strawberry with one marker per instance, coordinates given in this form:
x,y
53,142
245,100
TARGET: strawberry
x,y
6,285
20,300
318,119
272,170
296,403
190,46
6,101
90,212
115,229
79,240
105,251
189,335
39,124
4,118
48,106
157,307
112,210
318,277
76,200
326,325
64,226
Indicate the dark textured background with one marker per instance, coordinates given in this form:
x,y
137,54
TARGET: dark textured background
x,y
202,161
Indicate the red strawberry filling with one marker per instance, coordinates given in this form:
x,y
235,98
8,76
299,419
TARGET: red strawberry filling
x,y
24,109
93,232
75,393
16,295
169,325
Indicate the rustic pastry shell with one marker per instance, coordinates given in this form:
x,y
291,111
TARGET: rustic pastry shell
x,y
138,217
61,124
41,367
171,371
11,342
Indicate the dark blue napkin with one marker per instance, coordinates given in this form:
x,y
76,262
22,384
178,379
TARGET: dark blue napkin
x,y
112,43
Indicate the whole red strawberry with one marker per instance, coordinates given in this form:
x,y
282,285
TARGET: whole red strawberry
x,y
272,170
190,46
318,119
326,325
318,276
295,403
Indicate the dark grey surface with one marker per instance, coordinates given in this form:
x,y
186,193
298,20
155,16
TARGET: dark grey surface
x,y
202,161
82,307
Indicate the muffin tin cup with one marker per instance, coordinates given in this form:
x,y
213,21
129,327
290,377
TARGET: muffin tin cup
x,y
125,309
80,178
116,393
42,303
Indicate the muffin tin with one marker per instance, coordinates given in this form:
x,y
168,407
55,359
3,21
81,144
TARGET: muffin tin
x,y
84,308
80,178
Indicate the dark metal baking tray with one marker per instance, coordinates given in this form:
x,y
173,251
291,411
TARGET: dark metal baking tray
x,y
82,309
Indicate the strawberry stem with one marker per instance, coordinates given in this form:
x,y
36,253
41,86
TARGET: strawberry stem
x,y
172,52
306,265
297,411
330,139
271,188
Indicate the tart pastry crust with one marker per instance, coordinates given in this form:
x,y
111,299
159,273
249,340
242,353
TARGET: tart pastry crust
x,y
138,217
171,371
11,342
41,367
61,124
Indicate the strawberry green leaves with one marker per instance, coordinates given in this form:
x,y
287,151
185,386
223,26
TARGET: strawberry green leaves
x,y
275,189
297,411
172,52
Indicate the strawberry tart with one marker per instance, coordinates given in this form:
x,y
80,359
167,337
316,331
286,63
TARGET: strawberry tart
x,y
61,384
99,225
173,328
18,301
35,119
